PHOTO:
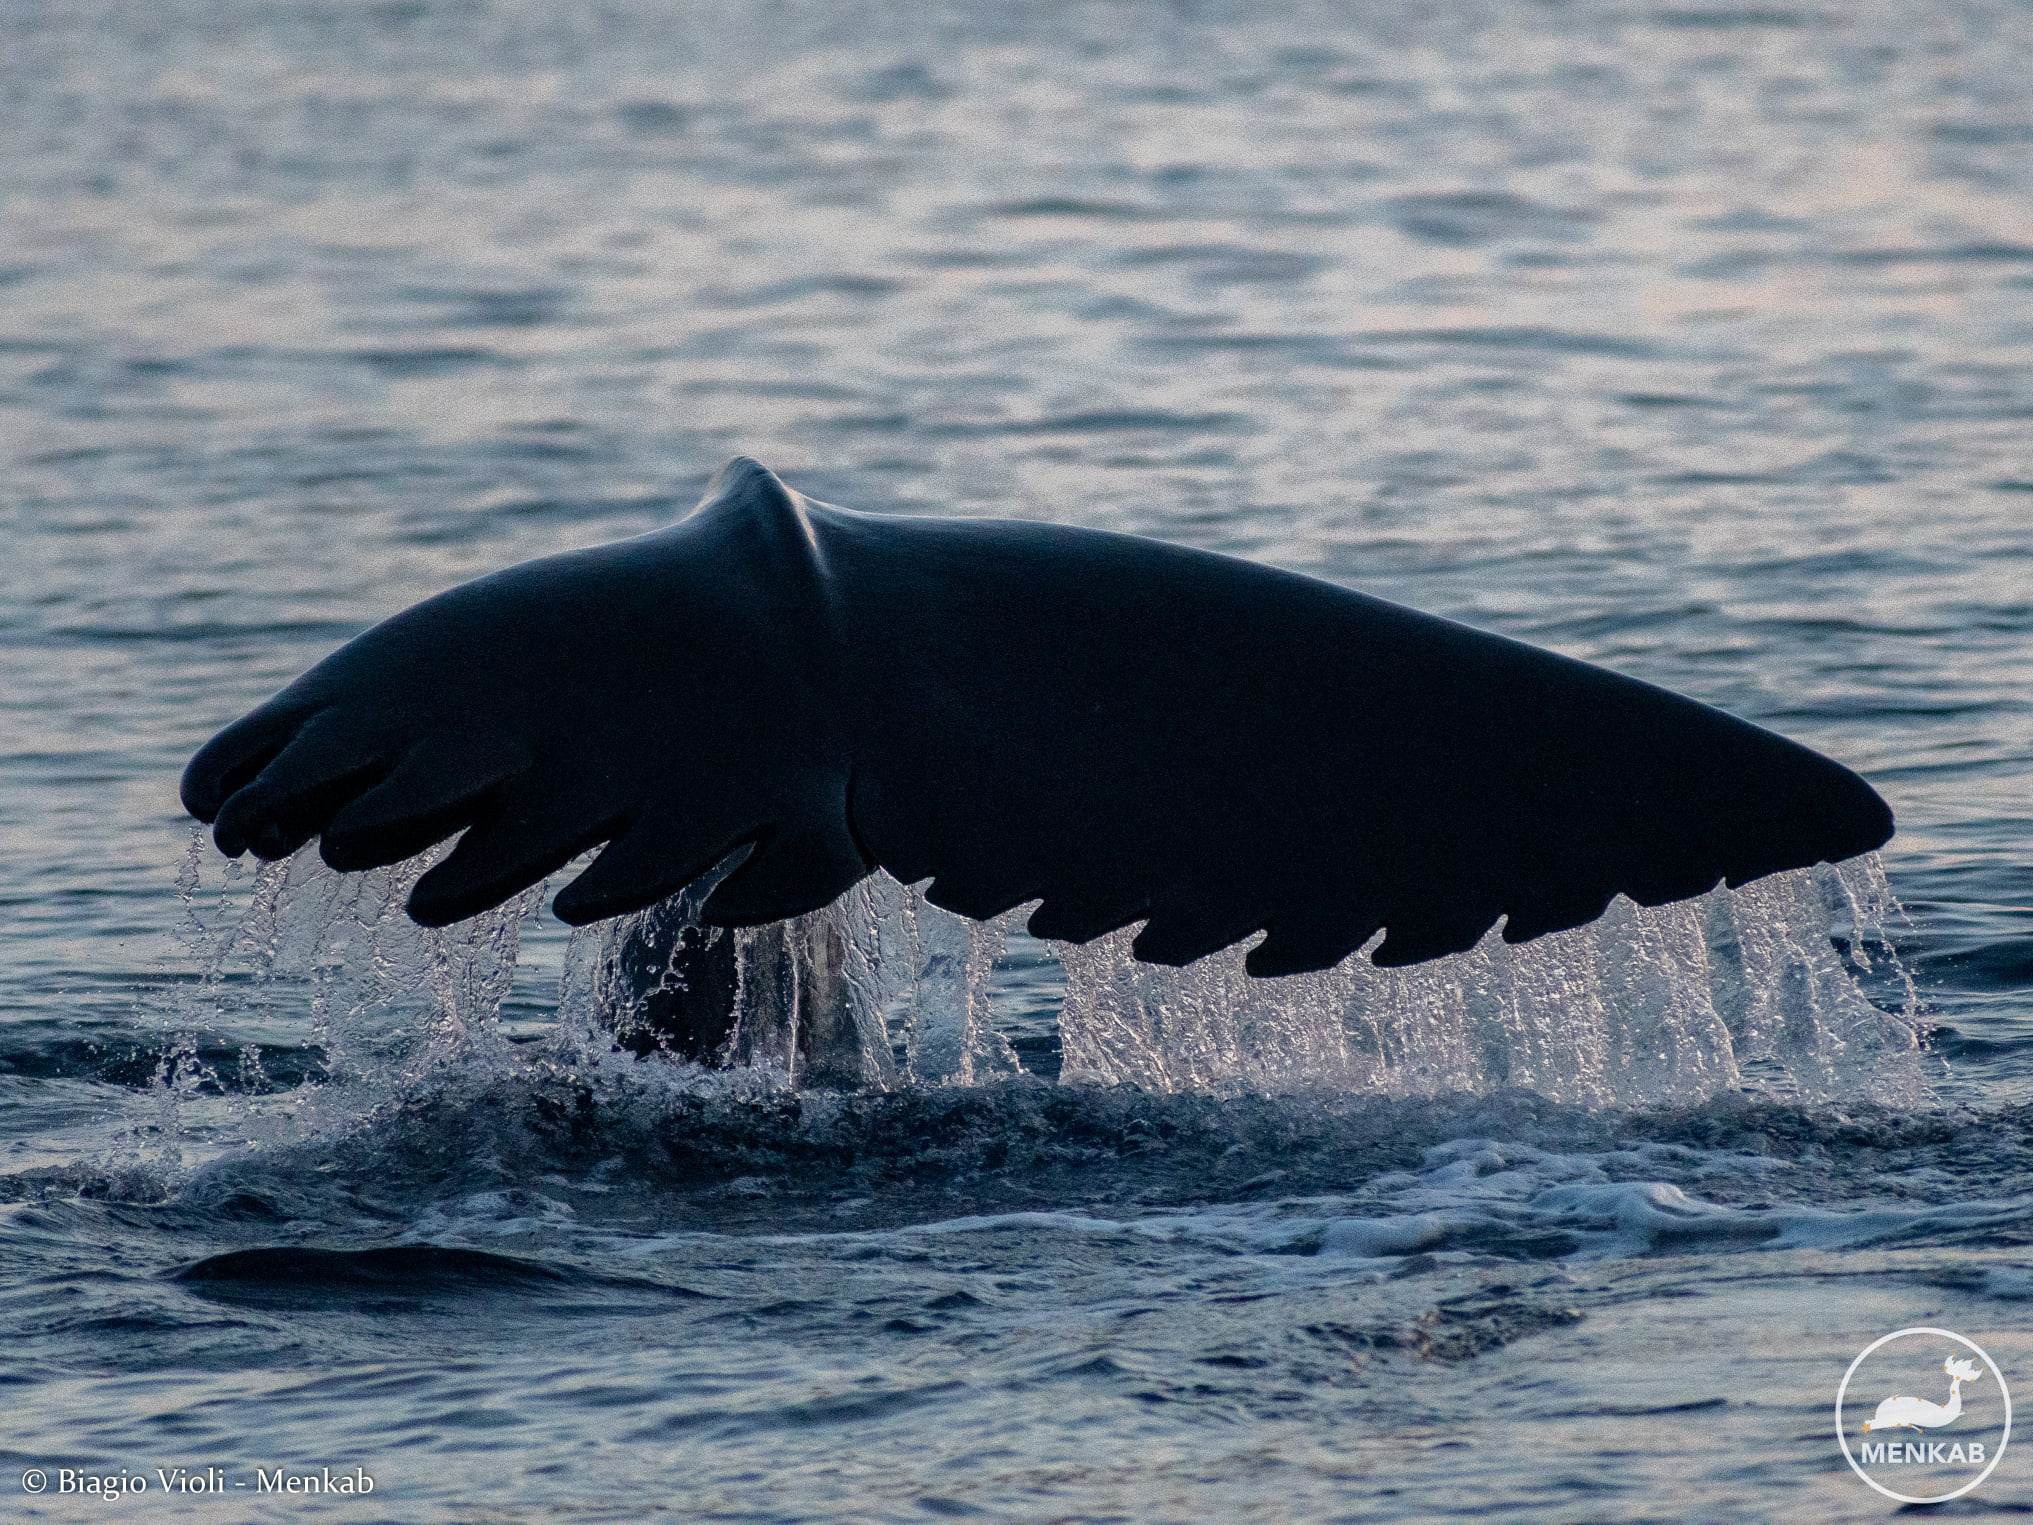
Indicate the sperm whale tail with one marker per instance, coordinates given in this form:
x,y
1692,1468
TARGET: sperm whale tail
x,y
1119,729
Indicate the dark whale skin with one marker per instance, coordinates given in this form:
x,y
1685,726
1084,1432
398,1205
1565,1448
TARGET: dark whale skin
x,y
1121,729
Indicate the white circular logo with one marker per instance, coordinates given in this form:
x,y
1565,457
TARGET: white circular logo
x,y
1931,1411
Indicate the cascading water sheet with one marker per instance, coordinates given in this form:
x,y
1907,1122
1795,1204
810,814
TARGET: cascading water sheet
x,y
1741,988
1760,990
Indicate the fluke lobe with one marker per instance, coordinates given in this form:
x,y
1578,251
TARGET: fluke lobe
x,y
1121,729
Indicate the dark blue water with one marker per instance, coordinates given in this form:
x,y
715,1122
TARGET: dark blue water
x,y
1696,342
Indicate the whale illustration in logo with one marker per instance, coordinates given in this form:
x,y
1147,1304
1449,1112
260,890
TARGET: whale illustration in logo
x,y
1919,1413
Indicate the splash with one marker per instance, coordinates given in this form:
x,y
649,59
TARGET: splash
x,y
877,989
1768,989
1737,990
327,965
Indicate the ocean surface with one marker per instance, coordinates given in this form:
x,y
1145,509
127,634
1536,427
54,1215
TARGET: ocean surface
x,y
1692,339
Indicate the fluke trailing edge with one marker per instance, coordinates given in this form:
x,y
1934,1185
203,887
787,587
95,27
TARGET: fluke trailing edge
x,y
1121,729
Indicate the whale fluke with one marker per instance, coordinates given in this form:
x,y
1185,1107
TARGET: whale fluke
x,y
1120,729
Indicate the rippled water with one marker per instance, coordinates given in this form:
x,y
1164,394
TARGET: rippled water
x,y
1693,341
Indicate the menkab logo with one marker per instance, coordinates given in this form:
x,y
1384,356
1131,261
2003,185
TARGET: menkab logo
x,y
1917,1443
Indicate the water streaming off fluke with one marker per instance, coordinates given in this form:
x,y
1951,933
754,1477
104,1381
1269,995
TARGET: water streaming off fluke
x,y
1785,987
